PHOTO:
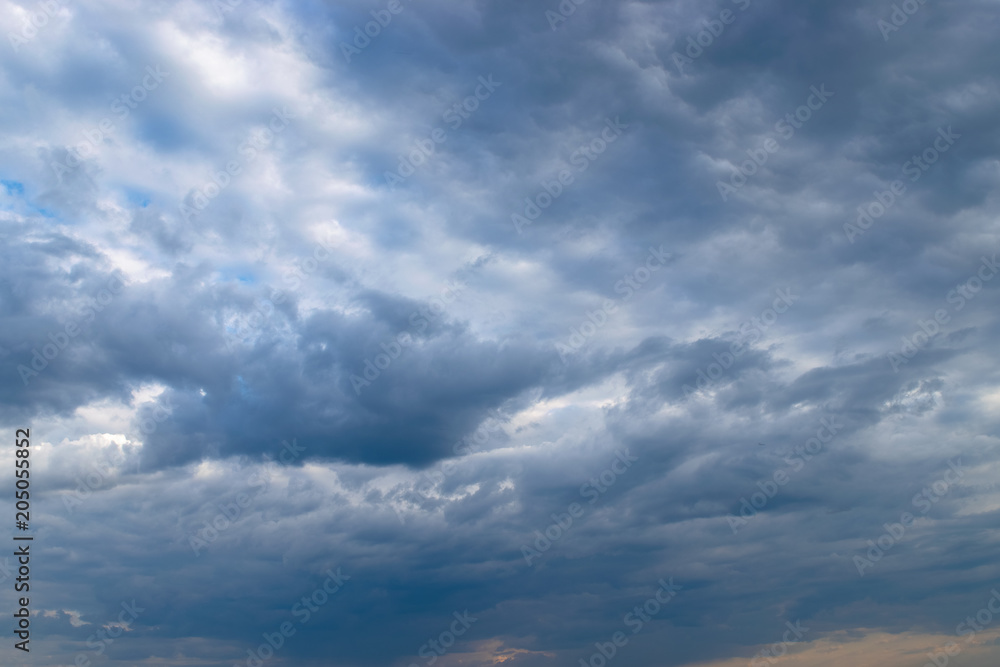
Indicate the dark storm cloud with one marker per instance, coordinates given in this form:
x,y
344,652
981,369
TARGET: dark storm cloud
x,y
377,325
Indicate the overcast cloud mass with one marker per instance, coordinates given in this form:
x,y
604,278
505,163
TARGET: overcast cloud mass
x,y
403,333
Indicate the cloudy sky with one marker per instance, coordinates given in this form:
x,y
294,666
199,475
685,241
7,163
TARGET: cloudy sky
x,y
403,333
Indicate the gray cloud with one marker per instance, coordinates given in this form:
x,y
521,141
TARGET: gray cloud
x,y
380,326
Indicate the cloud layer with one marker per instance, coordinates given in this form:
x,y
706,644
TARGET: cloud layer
x,y
508,311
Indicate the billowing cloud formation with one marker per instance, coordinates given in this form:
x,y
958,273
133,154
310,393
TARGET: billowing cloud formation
x,y
413,333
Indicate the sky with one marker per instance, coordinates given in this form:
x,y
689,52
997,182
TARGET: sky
x,y
412,333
